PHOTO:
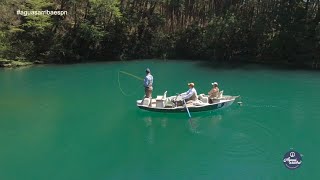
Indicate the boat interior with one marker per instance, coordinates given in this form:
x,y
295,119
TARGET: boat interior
x,y
162,101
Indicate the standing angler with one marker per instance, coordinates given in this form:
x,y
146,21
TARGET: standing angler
x,y
148,81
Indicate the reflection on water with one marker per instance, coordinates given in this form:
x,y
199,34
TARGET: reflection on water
x,y
206,125
150,134
151,124
164,122
193,125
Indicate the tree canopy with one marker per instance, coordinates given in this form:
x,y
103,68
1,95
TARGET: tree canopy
x,y
214,30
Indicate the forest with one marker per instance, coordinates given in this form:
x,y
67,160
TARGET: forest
x,y
277,31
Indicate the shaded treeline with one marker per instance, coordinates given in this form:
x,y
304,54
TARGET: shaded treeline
x,y
215,30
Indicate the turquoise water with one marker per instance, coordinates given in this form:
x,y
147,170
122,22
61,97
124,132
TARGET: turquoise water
x,y
74,122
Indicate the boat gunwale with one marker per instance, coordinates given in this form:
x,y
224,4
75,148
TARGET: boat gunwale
x,y
191,108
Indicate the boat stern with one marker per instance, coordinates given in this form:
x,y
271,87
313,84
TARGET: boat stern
x,y
139,102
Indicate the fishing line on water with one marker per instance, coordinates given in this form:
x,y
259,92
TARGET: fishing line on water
x,y
129,74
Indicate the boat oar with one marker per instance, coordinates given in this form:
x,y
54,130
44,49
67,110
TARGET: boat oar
x,y
187,108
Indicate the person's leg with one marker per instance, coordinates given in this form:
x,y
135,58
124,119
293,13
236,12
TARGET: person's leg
x,y
150,89
146,92
145,95
149,95
188,101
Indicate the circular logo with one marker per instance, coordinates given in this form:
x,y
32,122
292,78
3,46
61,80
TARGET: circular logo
x,y
292,160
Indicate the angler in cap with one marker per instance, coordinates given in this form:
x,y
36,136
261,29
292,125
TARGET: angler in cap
x,y
148,81
214,92
191,94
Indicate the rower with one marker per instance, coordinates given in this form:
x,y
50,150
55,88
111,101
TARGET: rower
x,y
191,94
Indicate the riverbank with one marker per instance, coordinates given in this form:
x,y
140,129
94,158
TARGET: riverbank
x,y
4,63
12,63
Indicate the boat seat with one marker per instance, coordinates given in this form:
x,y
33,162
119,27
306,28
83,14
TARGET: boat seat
x,y
203,98
220,94
146,101
200,96
160,100
162,97
168,103
198,103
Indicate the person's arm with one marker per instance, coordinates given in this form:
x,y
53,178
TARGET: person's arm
x,y
184,93
210,92
151,80
146,82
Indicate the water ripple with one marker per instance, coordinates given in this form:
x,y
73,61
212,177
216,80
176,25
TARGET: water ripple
x,y
242,146
247,142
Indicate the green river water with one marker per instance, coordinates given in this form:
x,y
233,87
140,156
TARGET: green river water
x,y
73,122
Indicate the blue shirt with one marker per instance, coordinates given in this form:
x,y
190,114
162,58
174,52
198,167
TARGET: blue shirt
x,y
148,80
189,93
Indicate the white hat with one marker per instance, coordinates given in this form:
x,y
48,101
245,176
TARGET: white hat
x,y
214,83
191,84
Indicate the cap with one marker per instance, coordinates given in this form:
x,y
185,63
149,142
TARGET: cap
x,y
191,84
148,70
215,83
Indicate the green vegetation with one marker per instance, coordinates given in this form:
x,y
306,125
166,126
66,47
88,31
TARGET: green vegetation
x,y
275,31
13,63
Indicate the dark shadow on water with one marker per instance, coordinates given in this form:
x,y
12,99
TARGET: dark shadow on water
x,y
253,66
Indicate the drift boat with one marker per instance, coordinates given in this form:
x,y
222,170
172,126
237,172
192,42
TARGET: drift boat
x,y
171,105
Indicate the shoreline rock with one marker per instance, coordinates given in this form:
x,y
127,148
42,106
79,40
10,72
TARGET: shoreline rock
x,y
4,63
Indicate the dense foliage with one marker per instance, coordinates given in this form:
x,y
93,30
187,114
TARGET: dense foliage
x,y
264,30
